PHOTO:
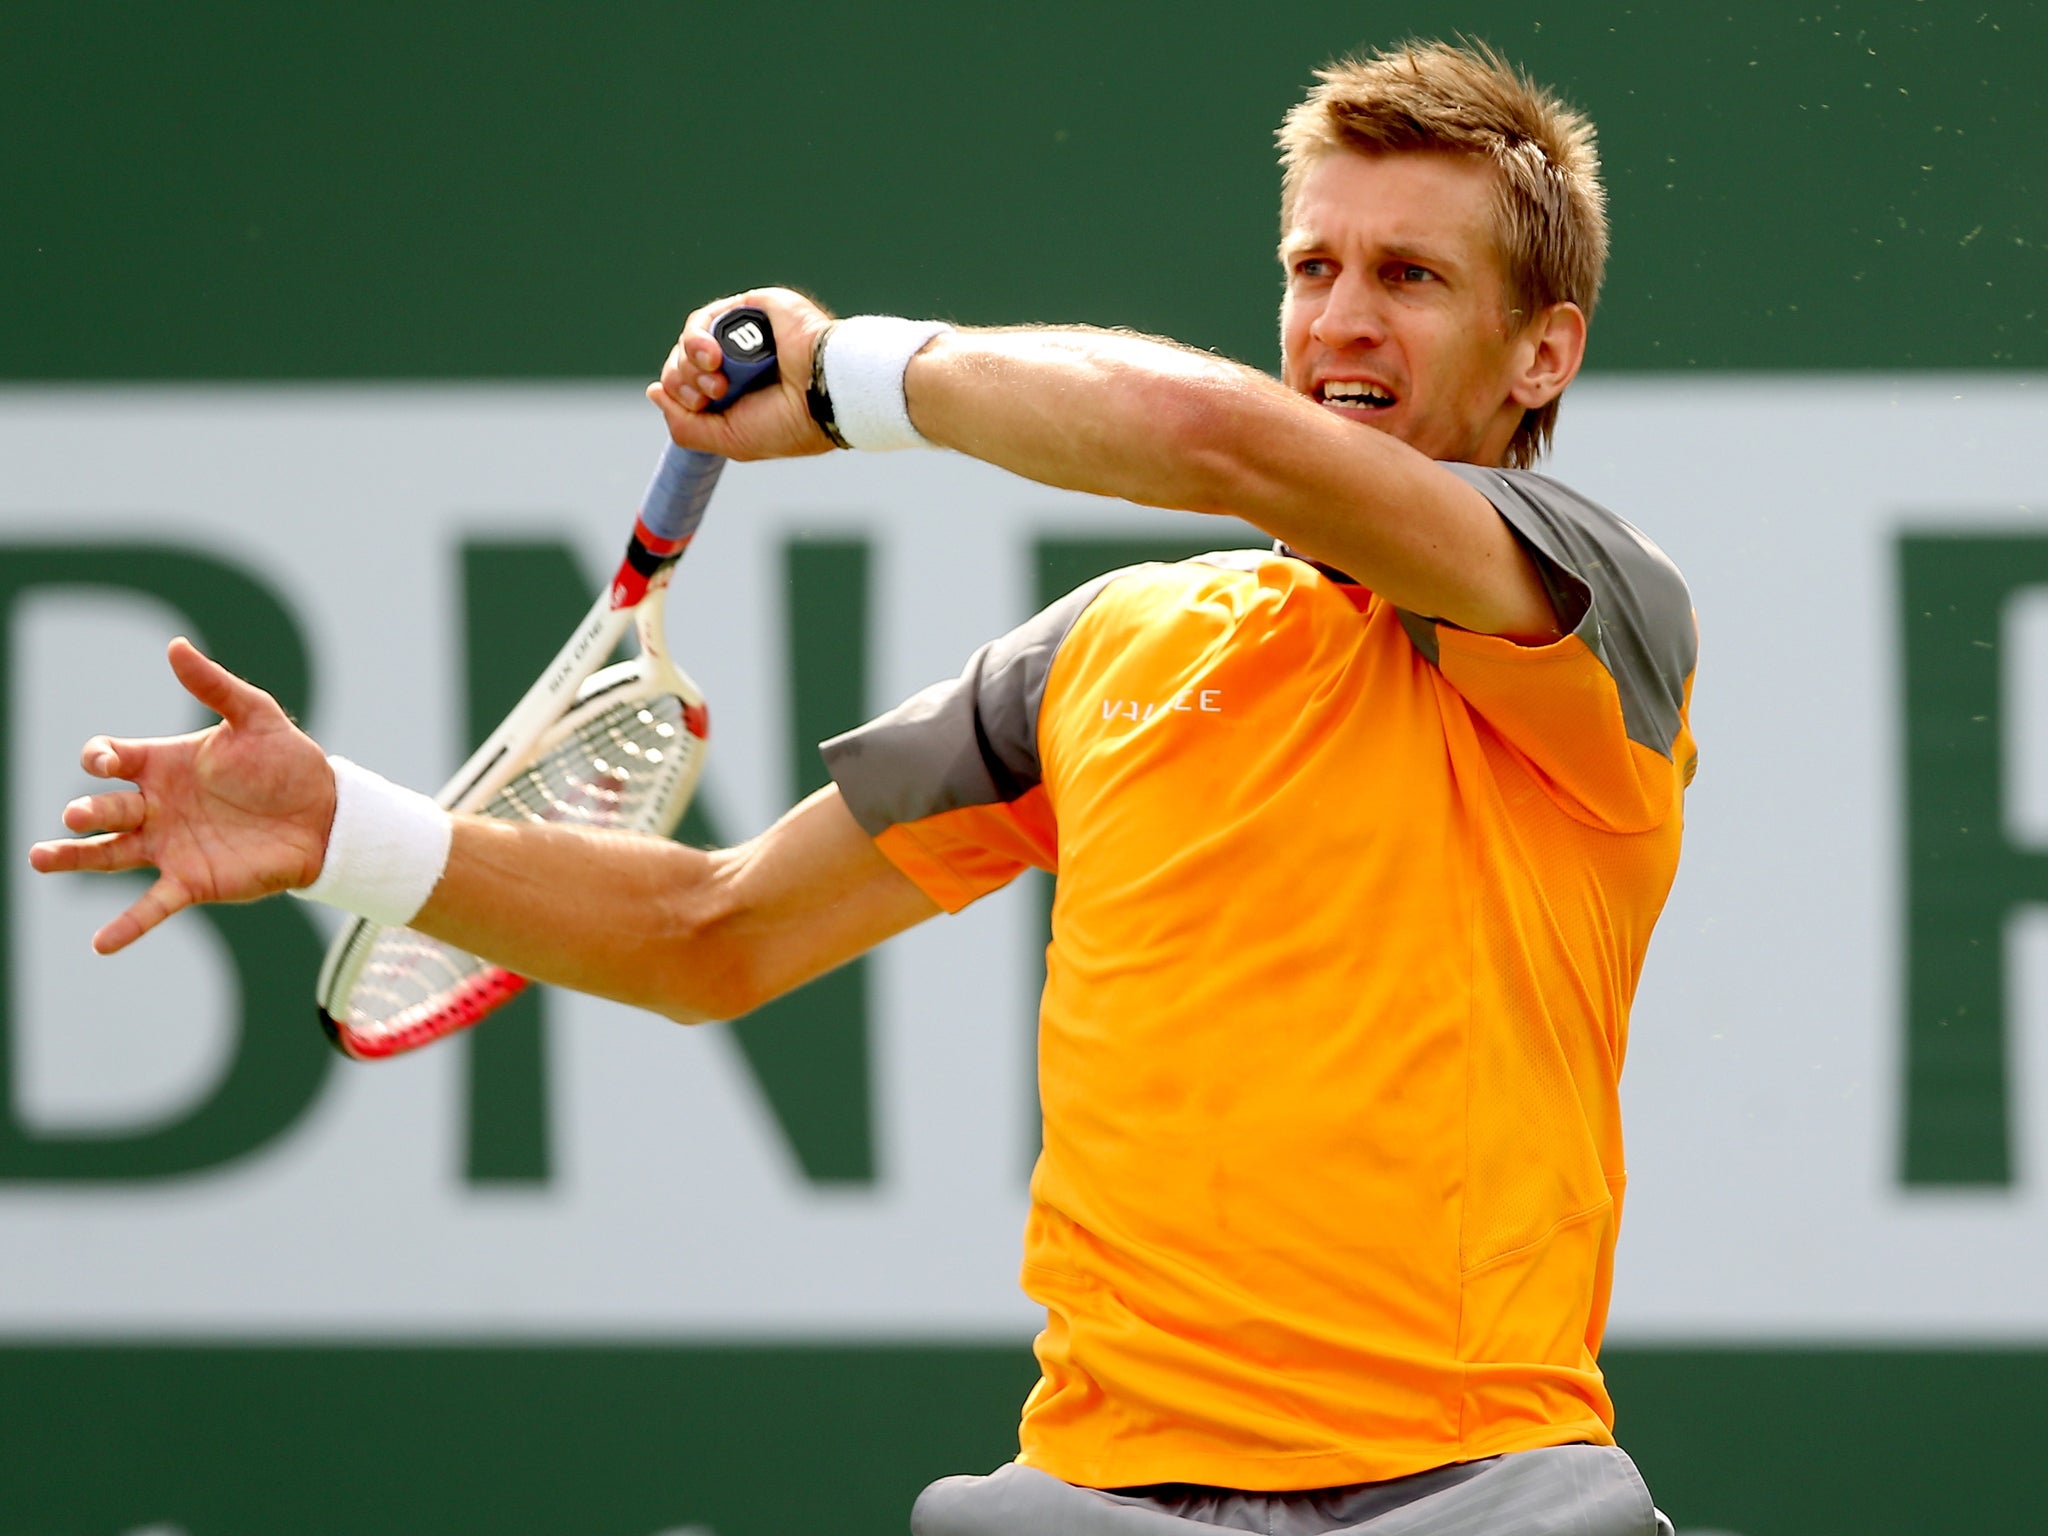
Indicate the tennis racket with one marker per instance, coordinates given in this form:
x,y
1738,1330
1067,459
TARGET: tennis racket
x,y
618,748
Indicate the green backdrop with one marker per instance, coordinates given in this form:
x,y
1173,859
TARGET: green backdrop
x,y
221,191
635,1441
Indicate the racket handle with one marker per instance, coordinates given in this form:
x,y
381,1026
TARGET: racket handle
x,y
683,481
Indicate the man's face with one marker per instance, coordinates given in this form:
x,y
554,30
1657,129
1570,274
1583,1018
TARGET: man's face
x,y
1396,310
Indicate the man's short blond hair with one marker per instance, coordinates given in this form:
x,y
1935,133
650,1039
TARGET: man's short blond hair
x,y
1551,214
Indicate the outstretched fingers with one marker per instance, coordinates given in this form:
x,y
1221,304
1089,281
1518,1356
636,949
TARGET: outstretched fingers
x,y
196,800
123,812
98,855
239,703
106,758
166,898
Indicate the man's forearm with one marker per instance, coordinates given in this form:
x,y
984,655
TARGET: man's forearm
x,y
1152,422
1106,412
1117,414
684,932
607,913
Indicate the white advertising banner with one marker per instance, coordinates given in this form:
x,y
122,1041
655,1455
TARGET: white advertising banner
x,y
1769,1082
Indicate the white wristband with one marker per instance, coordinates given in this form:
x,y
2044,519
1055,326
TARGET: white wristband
x,y
865,359
386,851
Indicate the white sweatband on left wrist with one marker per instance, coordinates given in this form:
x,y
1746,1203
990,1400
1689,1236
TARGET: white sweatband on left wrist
x,y
865,359
386,850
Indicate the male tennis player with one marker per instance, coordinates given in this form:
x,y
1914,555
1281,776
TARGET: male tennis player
x,y
1359,845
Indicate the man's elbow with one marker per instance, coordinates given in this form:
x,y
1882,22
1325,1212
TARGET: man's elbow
x,y
1219,446
697,1000
705,967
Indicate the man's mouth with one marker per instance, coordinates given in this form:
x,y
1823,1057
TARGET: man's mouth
x,y
1353,392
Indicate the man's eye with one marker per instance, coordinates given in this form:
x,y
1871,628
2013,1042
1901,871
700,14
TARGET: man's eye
x,y
1414,274
1312,266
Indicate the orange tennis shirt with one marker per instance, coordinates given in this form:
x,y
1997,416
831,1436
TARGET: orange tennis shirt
x,y
1350,909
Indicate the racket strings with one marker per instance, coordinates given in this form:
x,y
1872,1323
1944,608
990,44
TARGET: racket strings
x,y
619,769
628,768
411,983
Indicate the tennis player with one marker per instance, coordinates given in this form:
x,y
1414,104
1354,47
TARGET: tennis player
x,y
1359,845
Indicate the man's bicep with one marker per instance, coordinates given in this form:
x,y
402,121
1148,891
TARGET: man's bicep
x,y
813,892
1601,713
1412,529
1469,567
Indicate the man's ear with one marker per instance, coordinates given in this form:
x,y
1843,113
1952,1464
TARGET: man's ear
x,y
1549,355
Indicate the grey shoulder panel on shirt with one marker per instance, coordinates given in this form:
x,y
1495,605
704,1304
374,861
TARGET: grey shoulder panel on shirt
x,y
970,740
1611,586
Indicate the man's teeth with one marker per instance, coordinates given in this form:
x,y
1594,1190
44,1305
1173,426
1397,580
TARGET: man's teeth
x,y
1352,393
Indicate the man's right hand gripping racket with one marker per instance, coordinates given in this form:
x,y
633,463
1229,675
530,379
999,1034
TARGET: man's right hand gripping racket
x,y
618,749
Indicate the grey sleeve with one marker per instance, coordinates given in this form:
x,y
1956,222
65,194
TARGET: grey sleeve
x,y
1611,587
971,740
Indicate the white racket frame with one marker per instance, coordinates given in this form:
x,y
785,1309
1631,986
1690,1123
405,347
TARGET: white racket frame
x,y
569,690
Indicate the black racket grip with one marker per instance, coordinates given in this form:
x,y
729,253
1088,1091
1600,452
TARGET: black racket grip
x,y
685,477
748,342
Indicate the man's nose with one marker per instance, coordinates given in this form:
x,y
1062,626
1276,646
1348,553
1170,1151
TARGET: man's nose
x,y
1353,316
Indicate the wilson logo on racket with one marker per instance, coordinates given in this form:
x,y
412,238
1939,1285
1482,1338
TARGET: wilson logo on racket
x,y
746,336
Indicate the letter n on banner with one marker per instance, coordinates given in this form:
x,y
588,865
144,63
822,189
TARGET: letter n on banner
x,y
807,1052
1967,874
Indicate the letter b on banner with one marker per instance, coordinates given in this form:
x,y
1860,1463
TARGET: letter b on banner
x,y
279,1061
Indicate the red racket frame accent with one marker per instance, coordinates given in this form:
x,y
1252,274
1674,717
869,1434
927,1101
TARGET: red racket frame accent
x,y
472,1001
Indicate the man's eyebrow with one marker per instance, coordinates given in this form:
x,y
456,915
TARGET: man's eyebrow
x,y
1422,255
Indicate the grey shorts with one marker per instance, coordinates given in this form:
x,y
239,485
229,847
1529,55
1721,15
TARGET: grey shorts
x,y
1565,1490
